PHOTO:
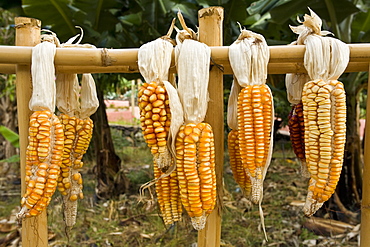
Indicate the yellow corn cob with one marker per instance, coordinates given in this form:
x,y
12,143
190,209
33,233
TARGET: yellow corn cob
x,y
324,108
168,195
43,160
155,117
196,171
239,172
77,136
254,126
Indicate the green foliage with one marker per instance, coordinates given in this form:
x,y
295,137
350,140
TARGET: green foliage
x,y
8,204
7,87
12,159
6,30
306,234
13,138
58,14
10,136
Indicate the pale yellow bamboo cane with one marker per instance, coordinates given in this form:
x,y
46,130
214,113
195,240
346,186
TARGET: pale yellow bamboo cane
x,y
280,54
365,204
273,68
210,33
34,230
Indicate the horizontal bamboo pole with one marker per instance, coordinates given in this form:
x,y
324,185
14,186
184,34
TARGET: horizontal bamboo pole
x,y
273,68
283,59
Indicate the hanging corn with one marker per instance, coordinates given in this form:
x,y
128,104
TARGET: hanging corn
x,y
155,100
324,110
45,140
294,85
161,117
168,195
75,106
195,155
249,56
296,133
237,167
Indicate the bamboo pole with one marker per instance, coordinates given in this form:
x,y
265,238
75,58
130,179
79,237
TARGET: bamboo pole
x,y
283,59
34,230
210,33
272,68
365,204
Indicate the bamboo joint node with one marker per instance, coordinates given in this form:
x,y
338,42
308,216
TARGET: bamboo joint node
x,y
24,22
105,58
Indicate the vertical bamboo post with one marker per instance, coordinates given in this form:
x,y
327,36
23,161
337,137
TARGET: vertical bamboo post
x,y
133,83
365,204
210,33
34,230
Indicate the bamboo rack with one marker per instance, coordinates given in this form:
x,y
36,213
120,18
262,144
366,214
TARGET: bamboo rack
x,y
283,59
34,230
210,32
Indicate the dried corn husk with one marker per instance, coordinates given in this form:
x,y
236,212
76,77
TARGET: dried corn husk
x,y
43,93
250,56
89,97
192,62
294,84
232,109
325,57
68,90
154,60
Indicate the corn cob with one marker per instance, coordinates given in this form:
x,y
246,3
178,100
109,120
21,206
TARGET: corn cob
x,y
296,130
195,171
237,167
255,126
43,160
325,132
77,136
168,195
155,117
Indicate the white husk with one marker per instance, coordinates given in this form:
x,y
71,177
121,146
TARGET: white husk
x,y
89,98
68,89
294,84
249,56
232,106
43,76
73,100
268,161
177,114
192,61
154,60
325,57
311,25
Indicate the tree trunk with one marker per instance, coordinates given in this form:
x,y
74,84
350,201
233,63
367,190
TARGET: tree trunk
x,y
111,181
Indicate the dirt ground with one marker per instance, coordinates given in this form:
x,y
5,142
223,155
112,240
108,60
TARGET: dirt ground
x,y
127,222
